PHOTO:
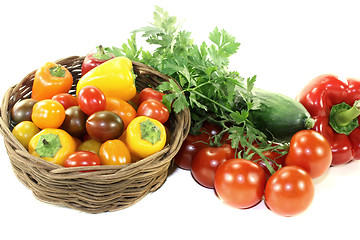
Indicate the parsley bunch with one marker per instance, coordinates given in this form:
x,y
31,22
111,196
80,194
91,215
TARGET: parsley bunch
x,y
209,88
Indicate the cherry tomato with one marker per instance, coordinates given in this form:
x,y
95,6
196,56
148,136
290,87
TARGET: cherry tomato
x,y
206,161
74,122
114,152
240,183
310,151
90,145
48,114
104,125
193,143
24,131
82,159
22,110
149,93
276,158
153,109
121,108
289,191
91,99
66,99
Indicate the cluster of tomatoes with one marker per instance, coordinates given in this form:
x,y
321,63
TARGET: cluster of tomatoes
x,y
243,183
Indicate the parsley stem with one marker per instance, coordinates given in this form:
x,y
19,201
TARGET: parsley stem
x,y
213,101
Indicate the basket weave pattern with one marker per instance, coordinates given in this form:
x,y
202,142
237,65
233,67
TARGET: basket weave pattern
x,y
108,188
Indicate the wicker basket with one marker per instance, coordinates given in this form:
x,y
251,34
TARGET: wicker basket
x,y
109,188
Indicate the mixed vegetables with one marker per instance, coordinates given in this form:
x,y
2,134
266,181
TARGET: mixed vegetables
x,y
96,126
246,143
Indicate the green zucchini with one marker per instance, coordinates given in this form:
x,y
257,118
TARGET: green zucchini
x,y
279,117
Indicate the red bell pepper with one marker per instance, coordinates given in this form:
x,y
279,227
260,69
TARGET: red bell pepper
x,y
94,59
335,107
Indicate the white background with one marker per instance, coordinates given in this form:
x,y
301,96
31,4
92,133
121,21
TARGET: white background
x,y
285,43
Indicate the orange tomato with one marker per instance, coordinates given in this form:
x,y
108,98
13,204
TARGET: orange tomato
x,y
114,152
121,108
48,114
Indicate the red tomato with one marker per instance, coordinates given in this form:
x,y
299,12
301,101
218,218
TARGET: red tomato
x,y
289,191
310,151
81,159
66,99
193,143
275,157
240,183
149,93
206,161
91,99
154,109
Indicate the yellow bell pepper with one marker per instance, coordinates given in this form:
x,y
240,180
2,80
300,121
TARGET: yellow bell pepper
x,y
113,77
53,145
145,136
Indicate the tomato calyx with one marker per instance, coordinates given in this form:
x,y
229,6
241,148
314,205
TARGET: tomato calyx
x,y
57,71
150,132
48,145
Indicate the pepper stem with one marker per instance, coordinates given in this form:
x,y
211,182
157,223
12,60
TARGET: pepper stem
x,y
101,54
343,118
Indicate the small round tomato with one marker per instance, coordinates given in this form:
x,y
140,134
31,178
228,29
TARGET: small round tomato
x,y
48,114
82,159
206,161
289,191
114,152
22,110
193,143
24,131
154,109
104,125
310,151
66,99
149,93
74,122
240,183
121,108
90,145
91,99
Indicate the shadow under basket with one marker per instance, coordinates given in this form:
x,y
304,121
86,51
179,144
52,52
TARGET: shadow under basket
x,y
108,188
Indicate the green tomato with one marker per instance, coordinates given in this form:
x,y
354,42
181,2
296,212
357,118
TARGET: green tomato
x,y
24,131
90,145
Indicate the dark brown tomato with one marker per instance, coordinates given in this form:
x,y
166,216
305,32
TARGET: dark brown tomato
x,y
75,122
104,125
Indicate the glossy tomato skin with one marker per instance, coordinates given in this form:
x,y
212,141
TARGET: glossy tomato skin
x,y
310,151
75,122
66,99
207,160
240,183
122,108
289,191
154,109
149,93
114,152
48,114
22,110
193,143
82,159
91,99
104,125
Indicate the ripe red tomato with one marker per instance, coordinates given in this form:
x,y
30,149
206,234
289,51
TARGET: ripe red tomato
x,y
276,158
81,159
310,151
289,191
66,99
240,183
154,109
149,93
193,143
91,99
206,161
